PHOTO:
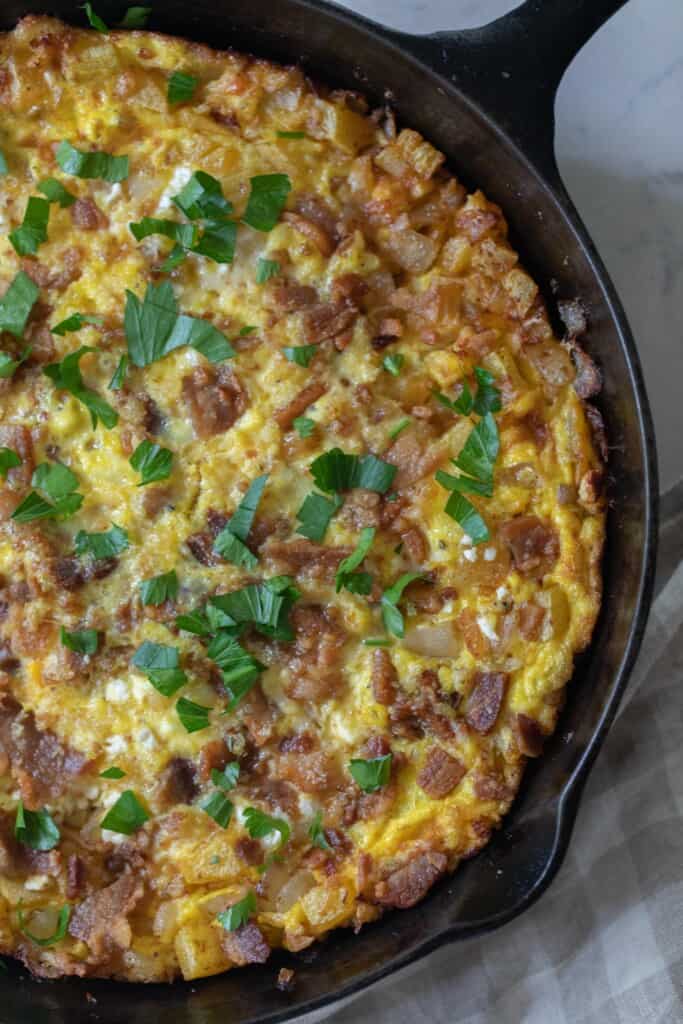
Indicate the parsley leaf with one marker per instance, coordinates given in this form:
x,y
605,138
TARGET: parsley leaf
x,y
92,165
93,19
316,832
218,242
35,828
135,17
8,460
116,383
291,135
9,365
239,669
258,824
476,461
265,269
371,774
113,773
55,192
4,169
266,201
230,542
486,399
399,427
226,779
193,716
334,471
264,605
238,914
126,816
181,87
17,303
391,616
161,664
183,234
66,376
202,198
153,328
356,582
316,513
159,588
218,807
74,323
60,484
33,230
299,354
303,426
194,622
84,641
377,641
108,544
58,934
393,363
152,462
202,336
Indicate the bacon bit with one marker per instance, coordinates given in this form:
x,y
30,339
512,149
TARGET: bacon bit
x,y
285,979
86,214
305,557
311,773
246,945
76,874
21,441
348,286
538,428
326,320
384,677
286,415
178,782
362,508
491,787
288,297
485,700
249,850
534,545
215,399
415,545
440,773
313,232
407,885
566,494
313,663
477,644
70,269
42,345
101,920
413,456
530,620
214,754
530,735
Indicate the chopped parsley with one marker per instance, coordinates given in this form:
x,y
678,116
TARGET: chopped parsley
x,y
184,234
335,471
58,934
8,460
92,165
84,641
35,828
291,135
303,426
264,605
159,588
316,513
316,832
239,669
94,20
152,462
126,816
33,230
109,544
116,383
135,17
55,192
218,807
227,778
154,328
258,824
60,484
74,323
347,578
8,365
4,169
399,427
475,461
113,773
161,664
300,354
391,615
267,199
17,303
265,269
202,198
181,87
193,716
231,541
377,641
238,914
393,363
371,774
486,399
67,376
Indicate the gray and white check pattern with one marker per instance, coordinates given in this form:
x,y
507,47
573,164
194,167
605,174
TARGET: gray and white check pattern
x,y
604,945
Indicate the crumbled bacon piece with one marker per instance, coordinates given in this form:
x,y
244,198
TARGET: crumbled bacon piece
x,y
313,661
101,920
309,394
485,700
534,545
407,885
440,773
384,677
86,214
246,945
215,399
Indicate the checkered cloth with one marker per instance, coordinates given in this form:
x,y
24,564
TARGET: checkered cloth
x,y
604,945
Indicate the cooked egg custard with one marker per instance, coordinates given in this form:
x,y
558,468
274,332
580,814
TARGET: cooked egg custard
x,y
297,551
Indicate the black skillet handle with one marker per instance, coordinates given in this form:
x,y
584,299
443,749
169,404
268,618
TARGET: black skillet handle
x,y
512,67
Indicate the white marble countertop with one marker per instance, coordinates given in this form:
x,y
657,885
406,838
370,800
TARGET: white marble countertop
x,y
620,151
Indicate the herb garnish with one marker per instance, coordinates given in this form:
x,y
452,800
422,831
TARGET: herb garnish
x,y
113,773
391,616
184,234
258,824
193,716
399,428
135,17
152,462
9,365
17,303
83,641
265,269
126,816
300,354
60,484
116,383
231,541
335,471
316,832
239,669
159,588
218,807
74,323
108,544
92,165
67,376
266,201
316,513
303,426
264,605
161,664
356,582
58,934
475,461
371,774
33,229
8,460
393,363
291,135
35,828
154,328
238,914
227,778
4,169
181,87
486,399
55,192
94,19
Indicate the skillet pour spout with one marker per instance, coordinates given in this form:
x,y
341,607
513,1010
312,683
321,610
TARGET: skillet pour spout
x,y
485,98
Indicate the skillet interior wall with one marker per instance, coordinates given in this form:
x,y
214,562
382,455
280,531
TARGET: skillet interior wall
x,y
492,887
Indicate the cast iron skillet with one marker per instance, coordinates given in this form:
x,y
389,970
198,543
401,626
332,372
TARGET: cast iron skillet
x,y
486,98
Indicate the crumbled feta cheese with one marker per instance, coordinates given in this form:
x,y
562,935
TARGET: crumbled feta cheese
x,y
37,882
487,628
115,744
502,593
147,738
465,540
470,554
180,178
117,691
489,554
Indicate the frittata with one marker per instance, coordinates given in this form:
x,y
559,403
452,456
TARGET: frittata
x,y
301,508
